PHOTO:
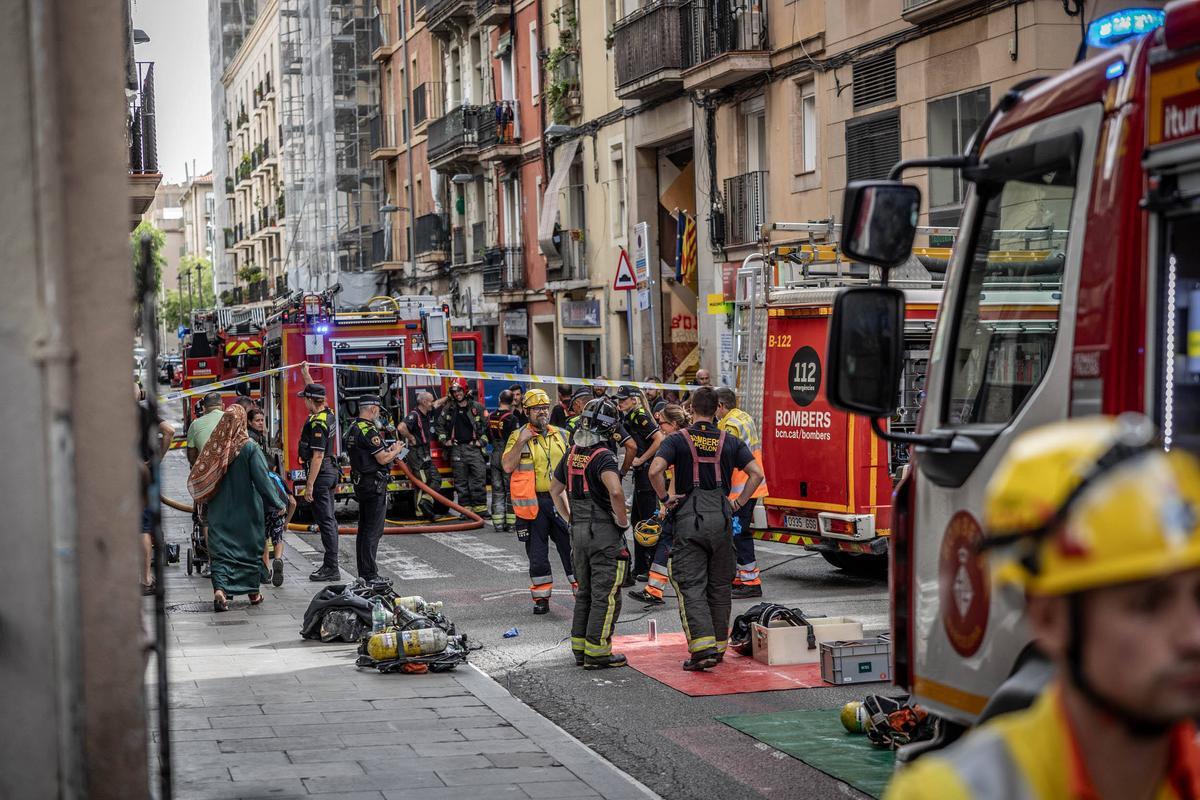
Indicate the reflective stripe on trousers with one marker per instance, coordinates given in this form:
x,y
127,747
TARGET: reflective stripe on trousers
x,y
702,568
601,563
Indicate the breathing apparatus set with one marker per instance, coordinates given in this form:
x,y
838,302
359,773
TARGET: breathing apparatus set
x,y
394,634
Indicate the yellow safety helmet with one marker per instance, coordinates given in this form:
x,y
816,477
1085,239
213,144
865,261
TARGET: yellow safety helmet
x,y
1092,502
535,397
647,531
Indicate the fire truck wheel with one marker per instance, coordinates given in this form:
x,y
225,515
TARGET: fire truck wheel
x,y
857,564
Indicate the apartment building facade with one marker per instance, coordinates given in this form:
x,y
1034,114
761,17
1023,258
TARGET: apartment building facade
x,y
768,107
166,214
253,240
198,204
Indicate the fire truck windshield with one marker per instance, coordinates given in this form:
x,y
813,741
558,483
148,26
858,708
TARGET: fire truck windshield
x,y
1008,315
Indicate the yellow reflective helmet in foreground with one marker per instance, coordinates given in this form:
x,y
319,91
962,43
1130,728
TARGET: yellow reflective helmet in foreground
x,y
535,397
1092,502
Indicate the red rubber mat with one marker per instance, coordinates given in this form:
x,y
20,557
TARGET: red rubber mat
x,y
663,660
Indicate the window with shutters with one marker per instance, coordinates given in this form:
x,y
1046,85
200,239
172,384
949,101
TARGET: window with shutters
x,y
874,80
872,146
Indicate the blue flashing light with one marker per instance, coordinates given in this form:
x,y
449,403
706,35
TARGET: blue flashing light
x,y
1115,70
1112,29
322,329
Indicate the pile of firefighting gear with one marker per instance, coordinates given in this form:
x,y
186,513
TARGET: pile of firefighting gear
x,y
394,634
889,722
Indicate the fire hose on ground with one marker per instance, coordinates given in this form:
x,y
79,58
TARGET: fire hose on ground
x,y
472,522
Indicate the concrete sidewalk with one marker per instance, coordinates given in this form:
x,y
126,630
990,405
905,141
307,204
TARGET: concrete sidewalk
x,y
256,711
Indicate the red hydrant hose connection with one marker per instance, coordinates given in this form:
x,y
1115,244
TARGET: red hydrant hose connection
x,y
472,521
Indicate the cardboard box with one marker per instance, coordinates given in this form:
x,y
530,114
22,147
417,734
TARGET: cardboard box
x,y
782,643
856,661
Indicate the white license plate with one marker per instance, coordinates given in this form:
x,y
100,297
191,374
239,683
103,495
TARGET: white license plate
x,y
801,523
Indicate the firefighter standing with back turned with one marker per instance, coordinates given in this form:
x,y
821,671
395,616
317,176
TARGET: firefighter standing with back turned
x,y
1101,529
501,423
462,427
596,511
370,462
530,458
646,438
732,419
702,559
320,467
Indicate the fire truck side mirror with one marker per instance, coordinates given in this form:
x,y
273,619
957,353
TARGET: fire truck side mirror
x,y
866,350
879,221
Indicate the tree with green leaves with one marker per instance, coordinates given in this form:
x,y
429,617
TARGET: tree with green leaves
x,y
158,240
177,305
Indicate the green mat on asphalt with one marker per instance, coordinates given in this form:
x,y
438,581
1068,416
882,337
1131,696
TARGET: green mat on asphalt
x,y
818,739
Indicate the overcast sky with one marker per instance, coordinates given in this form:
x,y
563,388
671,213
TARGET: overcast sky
x,y
178,46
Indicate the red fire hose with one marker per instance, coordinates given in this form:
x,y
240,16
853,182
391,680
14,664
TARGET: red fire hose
x,y
472,522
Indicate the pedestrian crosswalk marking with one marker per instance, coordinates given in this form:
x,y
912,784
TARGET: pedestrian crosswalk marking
x,y
476,548
407,567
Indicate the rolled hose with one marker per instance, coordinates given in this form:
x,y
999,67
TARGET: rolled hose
x,y
472,522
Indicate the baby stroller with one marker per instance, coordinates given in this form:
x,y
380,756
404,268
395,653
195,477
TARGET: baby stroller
x,y
197,553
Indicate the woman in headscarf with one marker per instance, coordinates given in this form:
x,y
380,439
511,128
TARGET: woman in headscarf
x,y
231,476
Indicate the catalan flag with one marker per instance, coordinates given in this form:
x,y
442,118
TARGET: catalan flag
x,y
688,259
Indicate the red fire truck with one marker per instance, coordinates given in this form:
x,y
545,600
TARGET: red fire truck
x,y
1109,154
222,344
407,332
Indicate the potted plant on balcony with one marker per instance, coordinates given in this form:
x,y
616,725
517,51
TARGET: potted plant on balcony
x,y
279,205
250,274
244,167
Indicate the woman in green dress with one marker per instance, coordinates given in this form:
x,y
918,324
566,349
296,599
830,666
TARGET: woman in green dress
x,y
231,476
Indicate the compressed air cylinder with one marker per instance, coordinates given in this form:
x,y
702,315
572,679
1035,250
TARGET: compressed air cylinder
x,y
416,604
1193,333
391,645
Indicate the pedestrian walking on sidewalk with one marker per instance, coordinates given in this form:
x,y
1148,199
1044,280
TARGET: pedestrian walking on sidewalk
x,y
462,428
320,467
530,458
1099,530
370,468
231,476
599,521
733,420
672,418
417,430
702,560
501,424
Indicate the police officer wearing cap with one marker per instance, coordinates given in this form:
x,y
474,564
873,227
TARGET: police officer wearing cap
x,y
370,460
320,466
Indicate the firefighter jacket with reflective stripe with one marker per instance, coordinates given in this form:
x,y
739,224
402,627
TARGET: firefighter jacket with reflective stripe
x,y
740,424
1032,755
450,412
539,459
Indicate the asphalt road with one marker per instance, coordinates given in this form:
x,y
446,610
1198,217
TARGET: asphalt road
x,y
667,740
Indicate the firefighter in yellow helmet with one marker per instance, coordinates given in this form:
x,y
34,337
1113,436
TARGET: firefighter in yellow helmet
x,y
1100,528
530,458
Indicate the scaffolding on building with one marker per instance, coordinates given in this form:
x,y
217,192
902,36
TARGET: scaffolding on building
x,y
329,95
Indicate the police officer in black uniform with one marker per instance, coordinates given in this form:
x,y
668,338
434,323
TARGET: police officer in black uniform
x,y
370,459
320,465
596,510
646,437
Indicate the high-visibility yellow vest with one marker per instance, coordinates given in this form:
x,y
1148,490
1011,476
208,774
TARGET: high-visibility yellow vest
x,y
740,424
533,474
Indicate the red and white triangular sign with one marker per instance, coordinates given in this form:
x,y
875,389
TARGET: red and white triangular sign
x,y
624,281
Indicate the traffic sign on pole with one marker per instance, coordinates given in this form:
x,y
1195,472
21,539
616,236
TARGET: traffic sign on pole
x,y
624,281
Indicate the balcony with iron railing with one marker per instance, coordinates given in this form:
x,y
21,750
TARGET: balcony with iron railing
x,y
453,139
432,238
916,11
572,257
447,16
499,132
382,42
729,43
385,137
492,12
649,47
745,207
428,100
142,139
